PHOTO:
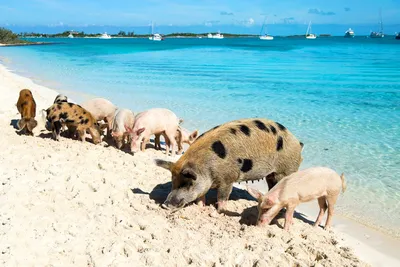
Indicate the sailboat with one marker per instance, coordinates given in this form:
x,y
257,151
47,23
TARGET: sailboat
x,y
310,35
380,33
265,36
155,36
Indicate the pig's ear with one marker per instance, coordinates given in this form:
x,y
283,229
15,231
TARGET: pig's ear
x,y
255,193
128,129
194,135
141,130
268,202
164,164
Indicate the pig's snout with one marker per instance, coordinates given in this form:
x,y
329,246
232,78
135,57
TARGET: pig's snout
x,y
173,202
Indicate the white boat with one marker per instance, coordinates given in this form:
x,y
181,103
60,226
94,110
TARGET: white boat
x,y
264,35
70,35
379,34
215,36
105,36
310,35
349,33
218,36
155,36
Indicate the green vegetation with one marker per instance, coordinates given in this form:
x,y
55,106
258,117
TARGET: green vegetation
x,y
123,34
8,37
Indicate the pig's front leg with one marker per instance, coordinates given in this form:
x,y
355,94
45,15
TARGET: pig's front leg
x,y
224,192
267,217
201,201
289,217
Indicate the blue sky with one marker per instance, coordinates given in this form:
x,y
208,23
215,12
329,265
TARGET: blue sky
x,y
190,13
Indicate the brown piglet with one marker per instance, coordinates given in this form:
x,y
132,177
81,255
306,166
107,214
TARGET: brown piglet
x,y
319,183
26,106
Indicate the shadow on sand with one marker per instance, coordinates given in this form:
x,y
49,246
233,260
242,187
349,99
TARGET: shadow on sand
x,y
248,216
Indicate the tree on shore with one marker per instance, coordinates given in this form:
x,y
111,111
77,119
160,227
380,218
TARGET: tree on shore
x,y
8,37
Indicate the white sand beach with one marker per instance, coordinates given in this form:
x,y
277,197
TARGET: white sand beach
x,y
70,203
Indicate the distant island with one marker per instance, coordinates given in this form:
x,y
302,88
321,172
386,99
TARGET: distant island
x,y
123,34
8,38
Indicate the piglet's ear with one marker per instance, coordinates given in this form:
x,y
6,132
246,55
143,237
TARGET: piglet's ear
x,y
141,130
194,135
128,129
189,173
255,193
164,164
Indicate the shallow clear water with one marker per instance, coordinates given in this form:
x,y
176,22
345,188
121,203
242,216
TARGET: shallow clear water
x,y
340,97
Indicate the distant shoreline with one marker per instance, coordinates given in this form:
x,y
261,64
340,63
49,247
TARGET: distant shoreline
x,y
27,44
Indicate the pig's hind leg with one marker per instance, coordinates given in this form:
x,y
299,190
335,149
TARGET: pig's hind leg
x,y
172,142
322,208
331,205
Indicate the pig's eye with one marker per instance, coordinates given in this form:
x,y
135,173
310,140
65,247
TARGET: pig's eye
x,y
187,173
185,184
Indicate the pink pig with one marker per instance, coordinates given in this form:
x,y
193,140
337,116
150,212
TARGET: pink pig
x,y
123,118
101,109
153,121
182,136
319,183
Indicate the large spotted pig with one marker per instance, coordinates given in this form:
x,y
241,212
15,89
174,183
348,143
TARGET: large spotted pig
x,y
101,109
26,106
242,150
74,117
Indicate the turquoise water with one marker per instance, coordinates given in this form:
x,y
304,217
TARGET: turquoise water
x,y
340,97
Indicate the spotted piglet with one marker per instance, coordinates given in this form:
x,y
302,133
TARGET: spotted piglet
x,y
242,150
26,106
74,117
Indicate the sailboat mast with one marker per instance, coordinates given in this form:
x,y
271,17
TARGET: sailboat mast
x,y
262,27
380,19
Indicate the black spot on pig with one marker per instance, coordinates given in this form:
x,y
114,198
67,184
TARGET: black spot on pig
x,y
70,105
247,165
27,94
69,121
84,112
24,103
260,125
301,144
240,161
59,106
52,118
80,117
273,129
84,121
63,115
219,149
233,131
245,129
279,143
280,126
